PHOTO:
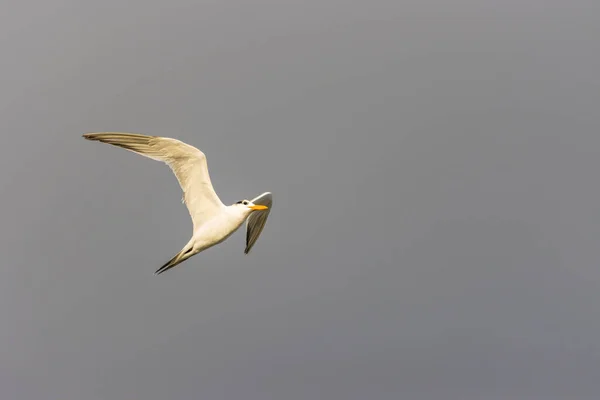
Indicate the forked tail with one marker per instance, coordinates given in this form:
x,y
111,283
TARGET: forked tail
x,y
180,257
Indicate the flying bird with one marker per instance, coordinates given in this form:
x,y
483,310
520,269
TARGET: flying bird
x,y
213,221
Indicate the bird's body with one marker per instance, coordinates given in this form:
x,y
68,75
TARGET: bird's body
x,y
219,227
213,221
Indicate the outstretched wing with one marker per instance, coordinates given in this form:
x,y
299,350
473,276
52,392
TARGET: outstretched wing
x,y
187,163
257,220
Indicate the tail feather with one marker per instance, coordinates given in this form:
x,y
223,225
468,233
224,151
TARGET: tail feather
x,y
180,257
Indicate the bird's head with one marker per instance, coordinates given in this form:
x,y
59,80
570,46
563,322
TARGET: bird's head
x,y
247,204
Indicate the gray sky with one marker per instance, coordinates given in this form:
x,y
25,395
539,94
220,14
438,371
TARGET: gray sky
x,y
436,223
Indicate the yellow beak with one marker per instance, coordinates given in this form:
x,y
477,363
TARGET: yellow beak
x,y
258,207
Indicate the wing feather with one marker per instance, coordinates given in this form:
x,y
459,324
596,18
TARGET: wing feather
x,y
187,163
257,220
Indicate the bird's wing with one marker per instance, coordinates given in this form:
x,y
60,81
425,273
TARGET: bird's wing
x,y
187,163
257,220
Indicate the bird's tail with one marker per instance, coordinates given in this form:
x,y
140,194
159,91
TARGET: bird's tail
x,y
180,257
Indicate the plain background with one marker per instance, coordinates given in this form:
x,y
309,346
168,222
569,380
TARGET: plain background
x,y
434,165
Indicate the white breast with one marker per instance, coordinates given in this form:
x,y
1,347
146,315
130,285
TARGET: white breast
x,y
218,228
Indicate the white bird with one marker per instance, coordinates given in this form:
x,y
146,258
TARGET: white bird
x,y
213,221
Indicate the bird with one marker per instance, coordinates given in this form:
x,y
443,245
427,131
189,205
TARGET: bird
x,y
213,222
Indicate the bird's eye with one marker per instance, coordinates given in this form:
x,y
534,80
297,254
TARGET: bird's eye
x,y
245,203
